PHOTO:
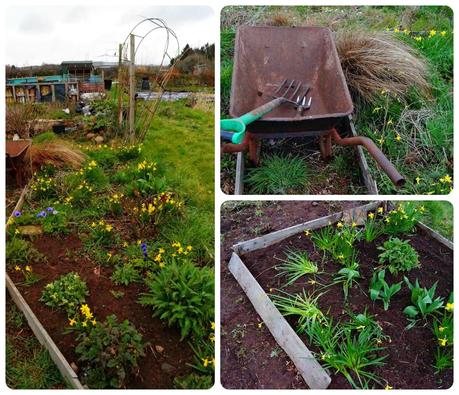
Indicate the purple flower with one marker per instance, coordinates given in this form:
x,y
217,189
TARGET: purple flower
x,y
17,214
50,209
41,214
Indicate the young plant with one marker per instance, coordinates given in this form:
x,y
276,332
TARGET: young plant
x,y
125,274
67,292
373,228
19,251
379,289
300,305
183,295
443,330
296,266
402,219
398,256
423,301
324,239
345,238
365,321
102,233
109,352
347,276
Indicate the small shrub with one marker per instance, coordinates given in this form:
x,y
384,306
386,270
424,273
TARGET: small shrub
x,y
379,289
110,352
398,256
278,175
125,274
67,292
183,295
423,300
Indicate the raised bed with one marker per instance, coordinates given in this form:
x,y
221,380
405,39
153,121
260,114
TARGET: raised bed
x,y
410,353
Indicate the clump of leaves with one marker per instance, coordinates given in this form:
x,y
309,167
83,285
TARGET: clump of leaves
x,y
379,289
19,251
182,295
443,330
125,274
373,228
301,305
347,276
423,301
398,255
67,292
110,352
403,219
296,266
193,381
365,321
324,239
278,175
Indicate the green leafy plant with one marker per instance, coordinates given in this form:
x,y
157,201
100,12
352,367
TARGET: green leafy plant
x,y
423,300
67,292
278,175
125,274
296,266
324,239
183,295
348,351
403,219
347,276
398,255
20,251
365,321
193,381
379,289
300,305
373,228
109,352
344,245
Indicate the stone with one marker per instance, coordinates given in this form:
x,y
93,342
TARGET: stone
x,y
159,348
99,139
90,136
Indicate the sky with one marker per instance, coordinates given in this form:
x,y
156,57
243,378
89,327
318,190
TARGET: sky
x,y
52,34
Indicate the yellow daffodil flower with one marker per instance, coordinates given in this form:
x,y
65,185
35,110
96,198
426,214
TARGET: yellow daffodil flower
x,y
449,307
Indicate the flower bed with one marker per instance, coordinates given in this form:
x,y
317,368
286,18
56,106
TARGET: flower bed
x,y
87,253
332,292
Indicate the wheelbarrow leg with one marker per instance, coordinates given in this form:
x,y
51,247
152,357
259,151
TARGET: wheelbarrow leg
x,y
325,143
254,149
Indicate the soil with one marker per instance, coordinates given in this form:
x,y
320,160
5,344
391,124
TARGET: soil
x,y
156,370
250,357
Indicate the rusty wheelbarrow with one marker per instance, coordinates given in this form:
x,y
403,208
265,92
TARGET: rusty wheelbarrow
x,y
266,55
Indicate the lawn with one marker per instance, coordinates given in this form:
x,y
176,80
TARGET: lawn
x,y
120,240
414,131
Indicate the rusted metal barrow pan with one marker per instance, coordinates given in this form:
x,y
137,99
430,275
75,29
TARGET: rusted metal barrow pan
x,y
266,55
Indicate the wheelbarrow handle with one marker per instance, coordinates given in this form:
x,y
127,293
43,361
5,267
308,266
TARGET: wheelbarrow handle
x,y
237,126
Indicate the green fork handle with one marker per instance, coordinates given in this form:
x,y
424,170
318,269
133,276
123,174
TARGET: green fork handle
x,y
238,125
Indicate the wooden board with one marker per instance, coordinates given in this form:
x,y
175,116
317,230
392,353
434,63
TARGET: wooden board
x,y
274,237
40,332
239,183
314,375
437,236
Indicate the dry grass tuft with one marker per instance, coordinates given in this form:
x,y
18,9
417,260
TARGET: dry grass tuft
x,y
279,19
376,62
58,154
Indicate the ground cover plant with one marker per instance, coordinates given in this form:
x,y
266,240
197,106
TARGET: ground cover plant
x,y
410,117
359,321
91,239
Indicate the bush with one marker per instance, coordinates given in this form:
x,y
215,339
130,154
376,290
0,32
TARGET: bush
x,y
125,274
67,292
110,350
398,255
183,295
21,251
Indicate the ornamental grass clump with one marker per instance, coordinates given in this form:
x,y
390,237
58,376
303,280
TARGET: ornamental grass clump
x,y
67,293
398,256
296,265
182,295
109,353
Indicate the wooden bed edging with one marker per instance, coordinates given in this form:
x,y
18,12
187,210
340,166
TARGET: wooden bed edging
x,y
435,235
312,372
274,237
43,337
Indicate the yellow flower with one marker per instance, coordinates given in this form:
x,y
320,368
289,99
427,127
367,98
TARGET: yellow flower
x,y
108,228
381,141
84,323
161,264
397,137
72,321
139,242
390,122
28,268
449,307
354,225
446,179
396,30
380,210
312,282
212,325
443,342
205,362
189,248
161,250
443,33
270,290
406,31
307,233
418,180
418,38
339,225
388,387
340,256
94,322
93,225
17,268
441,328
125,244
422,209
432,33
371,215
16,231
260,324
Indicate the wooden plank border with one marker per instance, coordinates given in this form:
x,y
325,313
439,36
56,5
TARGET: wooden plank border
x,y
239,183
313,373
435,235
274,237
43,337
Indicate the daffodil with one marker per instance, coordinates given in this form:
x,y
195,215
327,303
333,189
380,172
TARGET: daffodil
x,y
380,210
388,387
418,180
449,307
17,268
28,268
212,325
371,215
443,342
339,225
72,321
307,232
398,137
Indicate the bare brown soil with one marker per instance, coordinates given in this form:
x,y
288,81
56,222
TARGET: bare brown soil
x,y
250,357
156,370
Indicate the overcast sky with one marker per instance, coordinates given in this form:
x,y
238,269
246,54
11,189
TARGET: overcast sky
x,y
51,34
